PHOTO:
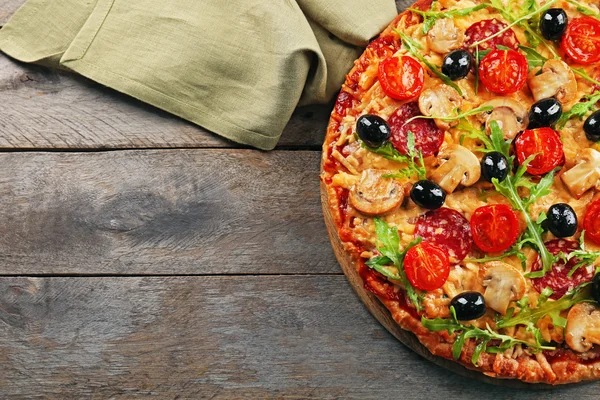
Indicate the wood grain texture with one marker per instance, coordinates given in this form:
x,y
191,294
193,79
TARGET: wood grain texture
x,y
43,108
212,338
212,211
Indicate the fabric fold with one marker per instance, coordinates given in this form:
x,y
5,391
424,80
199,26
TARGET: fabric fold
x,y
236,67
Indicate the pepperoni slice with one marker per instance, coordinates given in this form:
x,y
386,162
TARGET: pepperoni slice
x,y
428,137
486,28
448,229
557,279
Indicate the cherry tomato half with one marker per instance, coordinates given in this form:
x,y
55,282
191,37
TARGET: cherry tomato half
x,y
581,41
503,71
494,227
544,142
427,266
591,222
401,78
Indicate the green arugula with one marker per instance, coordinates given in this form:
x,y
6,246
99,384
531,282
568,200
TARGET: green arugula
x,y
583,9
415,165
530,316
413,48
534,59
387,151
583,256
579,110
388,244
456,117
483,335
532,11
430,17
494,142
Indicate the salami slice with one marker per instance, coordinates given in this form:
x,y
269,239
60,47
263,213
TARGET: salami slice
x,y
486,28
448,229
557,279
428,137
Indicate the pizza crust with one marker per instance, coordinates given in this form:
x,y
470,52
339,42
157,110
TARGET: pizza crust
x,y
561,368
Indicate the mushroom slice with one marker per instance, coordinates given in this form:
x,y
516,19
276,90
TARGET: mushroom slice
x,y
510,115
458,166
556,80
375,195
503,283
583,327
584,175
444,36
440,101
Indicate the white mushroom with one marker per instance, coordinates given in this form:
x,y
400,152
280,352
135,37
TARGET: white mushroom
x,y
440,101
503,283
458,166
556,80
584,175
583,327
375,195
444,36
510,115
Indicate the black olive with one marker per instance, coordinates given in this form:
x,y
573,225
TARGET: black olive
x,y
468,306
596,288
553,23
428,195
457,64
544,113
494,165
591,127
562,220
372,130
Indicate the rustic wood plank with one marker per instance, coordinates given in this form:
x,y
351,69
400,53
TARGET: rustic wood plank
x,y
42,108
212,337
162,212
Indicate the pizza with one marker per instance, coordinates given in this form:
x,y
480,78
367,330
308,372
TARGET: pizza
x,y
461,166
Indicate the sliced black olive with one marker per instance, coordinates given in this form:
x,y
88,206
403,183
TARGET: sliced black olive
x,y
372,130
544,113
428,194
591,127
596,288
468,306
553,23
457,64
562,220
494,165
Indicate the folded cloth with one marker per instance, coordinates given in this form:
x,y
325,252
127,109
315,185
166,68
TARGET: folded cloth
x,y
235,67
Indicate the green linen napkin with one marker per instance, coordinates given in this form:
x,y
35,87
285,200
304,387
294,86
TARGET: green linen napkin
x,y
235,67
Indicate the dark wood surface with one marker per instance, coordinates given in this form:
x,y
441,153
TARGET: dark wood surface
x,y
180,266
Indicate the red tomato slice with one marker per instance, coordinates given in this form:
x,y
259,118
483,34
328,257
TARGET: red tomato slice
x,y
401,78
544,142
427,266
503,71
494,227
591,222
581,41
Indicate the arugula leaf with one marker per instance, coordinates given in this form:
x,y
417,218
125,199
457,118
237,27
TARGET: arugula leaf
x,y
583,9
583,256
459,116
499,144
430,17
415,162
533,234
472,332
579,110
413,48
534,59
389,246
387,151
520,20
527,315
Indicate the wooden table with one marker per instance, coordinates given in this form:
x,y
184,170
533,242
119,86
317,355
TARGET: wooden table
x,y
143,257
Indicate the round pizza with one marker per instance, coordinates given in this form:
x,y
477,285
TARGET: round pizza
x,y
461,167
